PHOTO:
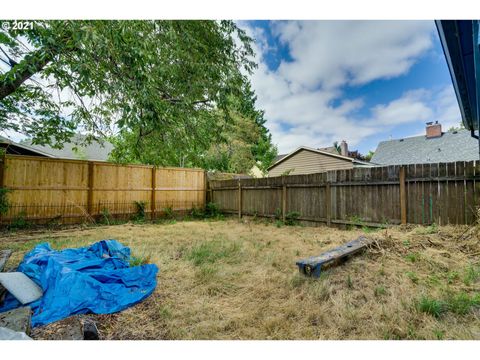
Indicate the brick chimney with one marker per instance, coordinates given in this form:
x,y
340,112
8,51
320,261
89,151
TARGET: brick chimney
x,y
433,130
343,148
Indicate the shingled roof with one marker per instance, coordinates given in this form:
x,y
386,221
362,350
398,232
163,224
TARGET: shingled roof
x,y
96,150
451,146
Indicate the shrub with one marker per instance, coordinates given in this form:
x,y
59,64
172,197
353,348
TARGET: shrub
x,y
140,210
4,203
291,218
278,214
197,213
212,211
168,212
20,221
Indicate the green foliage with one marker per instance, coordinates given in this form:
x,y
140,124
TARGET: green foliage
x,y
412,276
170,89
168,212
277,214
212,211
105,217
213,251
140,260
140,210
291,218
20,221
349,282
431,306
369,156
431,229
459,303
4,203
439,334
456,128
413,257
196,213
471,274
379,291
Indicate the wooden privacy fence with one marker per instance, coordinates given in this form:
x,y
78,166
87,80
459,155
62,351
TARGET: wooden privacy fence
x,y
42,189
443,193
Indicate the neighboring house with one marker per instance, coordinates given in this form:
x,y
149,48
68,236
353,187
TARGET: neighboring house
x,y
255,172
433,147
305,160
96,151
13,148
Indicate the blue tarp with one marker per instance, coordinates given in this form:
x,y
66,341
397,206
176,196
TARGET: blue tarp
x,y
95,279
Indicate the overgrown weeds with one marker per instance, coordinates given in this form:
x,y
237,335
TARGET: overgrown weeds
x,y
213,251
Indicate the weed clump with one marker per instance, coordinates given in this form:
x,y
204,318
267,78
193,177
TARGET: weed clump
x,y
213,251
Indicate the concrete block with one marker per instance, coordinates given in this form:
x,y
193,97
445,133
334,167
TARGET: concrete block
x,y
21,286
4,255
17,319
9,334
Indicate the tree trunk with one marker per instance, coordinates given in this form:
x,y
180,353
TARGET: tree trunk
x,y
30,65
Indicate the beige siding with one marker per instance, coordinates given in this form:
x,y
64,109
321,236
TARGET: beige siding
x,y
309,162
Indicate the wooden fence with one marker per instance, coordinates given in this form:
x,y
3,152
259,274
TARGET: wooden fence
x,y
444,193
43,189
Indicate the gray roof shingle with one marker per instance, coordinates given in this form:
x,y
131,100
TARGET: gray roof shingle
x,y
451,146
93,151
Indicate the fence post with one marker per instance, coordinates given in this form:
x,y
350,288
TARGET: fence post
x,y
239,199
2,177
403,196
284,200
91,180
328,203
153,199
207,188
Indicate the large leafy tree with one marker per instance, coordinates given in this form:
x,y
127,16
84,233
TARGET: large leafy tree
x,y
168,78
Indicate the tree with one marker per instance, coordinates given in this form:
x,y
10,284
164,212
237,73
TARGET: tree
x,y
369,156
135,77
234,142
456,128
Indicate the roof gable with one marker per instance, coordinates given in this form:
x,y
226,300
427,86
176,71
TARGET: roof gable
x,y
346,158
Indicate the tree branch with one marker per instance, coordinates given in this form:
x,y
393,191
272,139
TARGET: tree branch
x,y
24,70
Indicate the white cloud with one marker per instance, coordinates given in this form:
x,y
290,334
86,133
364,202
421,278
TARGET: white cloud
x,y
303,97
335,53
412,106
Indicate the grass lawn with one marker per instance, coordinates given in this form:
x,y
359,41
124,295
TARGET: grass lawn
x,y
238,280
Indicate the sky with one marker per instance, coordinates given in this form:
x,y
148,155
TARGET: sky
x,y
358,81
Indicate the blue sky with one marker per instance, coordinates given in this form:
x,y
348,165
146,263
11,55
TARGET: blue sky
x,y
359,81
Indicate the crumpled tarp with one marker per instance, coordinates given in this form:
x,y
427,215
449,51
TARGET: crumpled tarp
x,y
95,279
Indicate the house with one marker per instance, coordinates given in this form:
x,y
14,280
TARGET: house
x,y
14,148
433,147
306,160
95,151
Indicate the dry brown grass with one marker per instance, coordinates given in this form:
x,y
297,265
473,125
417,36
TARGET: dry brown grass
x,y
238,280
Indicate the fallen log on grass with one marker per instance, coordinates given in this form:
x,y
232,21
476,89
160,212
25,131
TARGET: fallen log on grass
x,y
312,266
